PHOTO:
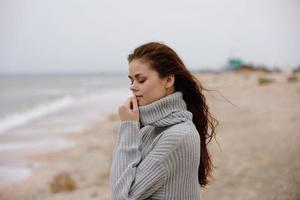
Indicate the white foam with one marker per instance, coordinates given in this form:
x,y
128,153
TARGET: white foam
x,y
43,145
19,119
106,100
11,174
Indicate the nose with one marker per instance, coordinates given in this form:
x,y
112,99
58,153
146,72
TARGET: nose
x,y
133,87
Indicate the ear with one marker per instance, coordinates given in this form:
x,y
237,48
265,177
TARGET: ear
x,y
169,81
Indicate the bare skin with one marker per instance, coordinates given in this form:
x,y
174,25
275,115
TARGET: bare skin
x,y
146,87
127,113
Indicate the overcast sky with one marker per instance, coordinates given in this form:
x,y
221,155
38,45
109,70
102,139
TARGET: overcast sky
x,y
92,36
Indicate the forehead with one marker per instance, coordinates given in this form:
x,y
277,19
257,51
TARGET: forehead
x,y
139,67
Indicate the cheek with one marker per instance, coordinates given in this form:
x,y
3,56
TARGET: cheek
x,y
152,91
146,90
146,87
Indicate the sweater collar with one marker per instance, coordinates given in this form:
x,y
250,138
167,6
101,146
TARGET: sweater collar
x,y
166,111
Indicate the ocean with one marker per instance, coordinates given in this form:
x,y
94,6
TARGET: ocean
x,y
36,110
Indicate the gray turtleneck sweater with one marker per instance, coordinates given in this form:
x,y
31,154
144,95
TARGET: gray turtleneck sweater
x,y
157,157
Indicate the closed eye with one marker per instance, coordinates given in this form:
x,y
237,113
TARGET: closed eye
x,y
142,81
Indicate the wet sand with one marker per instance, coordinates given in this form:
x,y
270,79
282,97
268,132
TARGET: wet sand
x,y
257,154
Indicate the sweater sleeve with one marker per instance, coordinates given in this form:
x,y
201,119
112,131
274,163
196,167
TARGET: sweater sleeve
x,y
130,177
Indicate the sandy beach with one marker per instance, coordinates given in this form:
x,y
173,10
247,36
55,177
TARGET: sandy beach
x,y
256,154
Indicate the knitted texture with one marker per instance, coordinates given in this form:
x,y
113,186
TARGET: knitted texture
x,y
157,157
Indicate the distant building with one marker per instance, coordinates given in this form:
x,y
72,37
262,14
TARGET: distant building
x,y
233,64
238,65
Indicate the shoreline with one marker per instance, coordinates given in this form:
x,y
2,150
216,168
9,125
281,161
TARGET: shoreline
x,y
39,162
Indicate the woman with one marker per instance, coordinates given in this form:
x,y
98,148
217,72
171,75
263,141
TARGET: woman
x,y
161,151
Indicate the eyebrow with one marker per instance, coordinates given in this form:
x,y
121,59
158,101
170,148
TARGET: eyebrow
x,y
137,75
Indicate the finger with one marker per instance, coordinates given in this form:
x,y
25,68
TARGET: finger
x,y
127,102
134,103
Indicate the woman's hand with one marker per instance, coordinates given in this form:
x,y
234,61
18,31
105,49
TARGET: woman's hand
x,y
127,113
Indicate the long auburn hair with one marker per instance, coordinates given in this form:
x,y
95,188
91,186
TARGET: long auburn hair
x,y
166,62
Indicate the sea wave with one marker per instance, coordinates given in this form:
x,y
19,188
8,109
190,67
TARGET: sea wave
x,y
108,98
18,119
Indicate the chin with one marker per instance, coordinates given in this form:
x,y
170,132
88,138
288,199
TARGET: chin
x,y
141,103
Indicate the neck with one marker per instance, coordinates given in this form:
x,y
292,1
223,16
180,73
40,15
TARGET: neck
x,y
166,111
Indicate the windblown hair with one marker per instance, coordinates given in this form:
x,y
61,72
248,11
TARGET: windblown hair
x,y
166,62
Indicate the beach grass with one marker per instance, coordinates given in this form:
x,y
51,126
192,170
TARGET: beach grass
x,y
63,182
264,81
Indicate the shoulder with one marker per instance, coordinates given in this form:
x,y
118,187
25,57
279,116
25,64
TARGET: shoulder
x,y
182,136
186,127
178,133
